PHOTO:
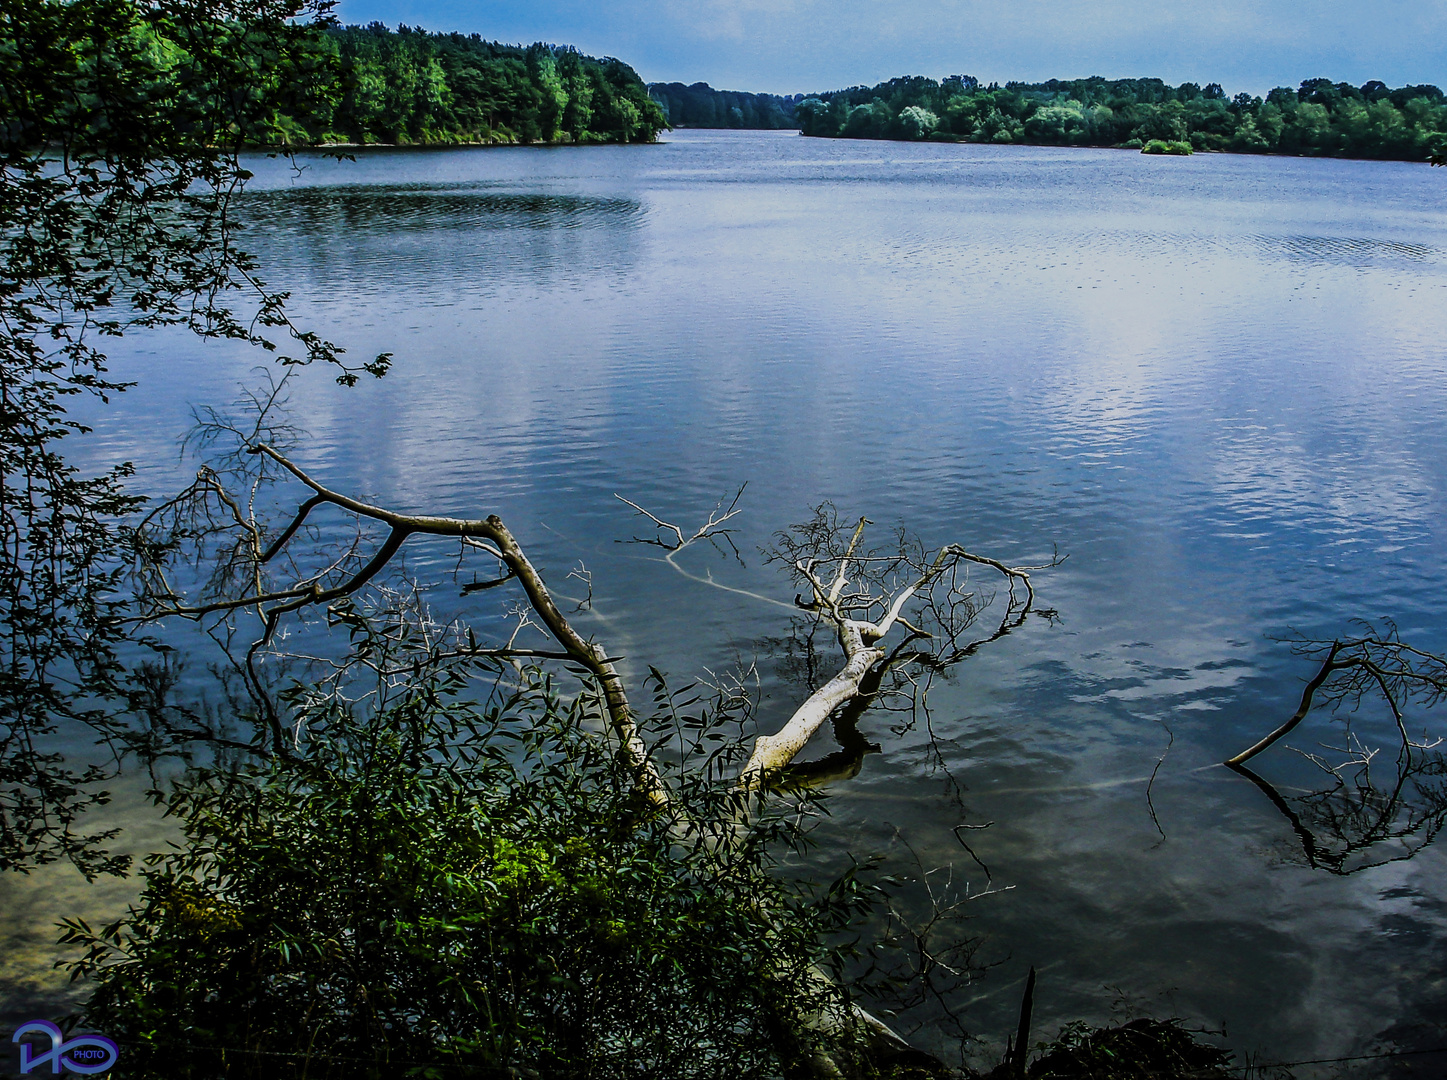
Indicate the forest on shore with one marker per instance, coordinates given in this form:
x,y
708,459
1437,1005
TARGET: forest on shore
x,y
1319,118
374,85
370,84
701,106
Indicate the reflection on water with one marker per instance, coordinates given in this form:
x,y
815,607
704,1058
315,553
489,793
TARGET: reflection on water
x,y
1356,822
387,238
408,207
1216,383
1360,251
1362,813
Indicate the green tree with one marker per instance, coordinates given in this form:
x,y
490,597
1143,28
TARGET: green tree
x,y
1211,123
1166,123
863,122
554,95
916,122
578,113
1271,123
962,114
117,163
1386,131
1309,129
997,127
813,117
1248,138
1057,123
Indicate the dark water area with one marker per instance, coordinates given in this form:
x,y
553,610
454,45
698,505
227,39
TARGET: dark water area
x,y
1215,383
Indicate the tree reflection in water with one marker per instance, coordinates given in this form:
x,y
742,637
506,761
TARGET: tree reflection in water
x,y
1357,821
1364,817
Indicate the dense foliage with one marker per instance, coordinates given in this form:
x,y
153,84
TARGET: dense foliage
x,y
1320,118
121,122
119,128
415,87
701,106
446,885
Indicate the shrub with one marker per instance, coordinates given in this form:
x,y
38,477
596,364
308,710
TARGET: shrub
x,y
1144,1049
1161,146
439,885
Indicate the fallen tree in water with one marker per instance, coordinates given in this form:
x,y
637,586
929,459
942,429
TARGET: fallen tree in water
x,y
681,825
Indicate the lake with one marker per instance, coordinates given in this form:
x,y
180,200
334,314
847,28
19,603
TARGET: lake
x,y
1216,384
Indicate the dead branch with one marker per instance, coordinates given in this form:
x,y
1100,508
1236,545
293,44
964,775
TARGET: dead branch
x,y
866,596
709,530
1377,664
488,534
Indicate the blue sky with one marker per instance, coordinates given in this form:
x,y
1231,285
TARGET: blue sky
x,y
784,46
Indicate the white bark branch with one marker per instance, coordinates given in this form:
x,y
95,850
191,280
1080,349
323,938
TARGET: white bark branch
x,y
839,580
773,752
860,640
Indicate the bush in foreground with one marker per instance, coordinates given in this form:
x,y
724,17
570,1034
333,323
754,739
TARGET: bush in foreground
x,y
440,886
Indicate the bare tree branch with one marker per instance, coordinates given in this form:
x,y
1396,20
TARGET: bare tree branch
x,y
883,583
1378,663
489,534
709,529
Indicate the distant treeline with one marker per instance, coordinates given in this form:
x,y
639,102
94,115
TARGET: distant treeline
x,y
373,85
701,106
1319,118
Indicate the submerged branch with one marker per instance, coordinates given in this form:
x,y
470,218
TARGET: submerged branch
x,y
1377,664
1328,666
886,584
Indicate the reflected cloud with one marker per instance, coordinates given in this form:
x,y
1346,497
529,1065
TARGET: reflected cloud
x,y
1272,479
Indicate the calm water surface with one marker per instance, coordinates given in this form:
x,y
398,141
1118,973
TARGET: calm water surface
x,y
1216,383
